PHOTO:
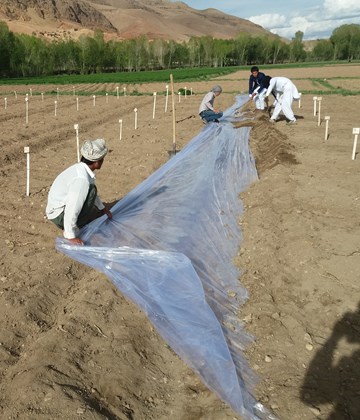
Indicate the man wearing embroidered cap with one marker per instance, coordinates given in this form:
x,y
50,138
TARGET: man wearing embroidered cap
x,y
73,194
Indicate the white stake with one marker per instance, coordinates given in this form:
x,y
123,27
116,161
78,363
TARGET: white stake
x,y
94,99
356,132
120,134
5,100
314,99
300,99
185,91
55,107
30,91
27,152
42,96
26,110
117,92
166,97
154,106
77,103
179,93
319,110
15,94
107,98
327,119
124,91
135,111
191,92
76,127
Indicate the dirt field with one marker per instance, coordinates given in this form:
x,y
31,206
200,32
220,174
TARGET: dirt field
x,y
73,348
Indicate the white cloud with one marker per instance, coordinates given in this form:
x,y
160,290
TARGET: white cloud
x,y
316,22
338,6
269,20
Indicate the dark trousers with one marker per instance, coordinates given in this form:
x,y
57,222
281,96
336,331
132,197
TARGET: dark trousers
x,y
85,213
210,115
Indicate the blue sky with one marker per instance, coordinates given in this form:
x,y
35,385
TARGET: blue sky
x,y
316,18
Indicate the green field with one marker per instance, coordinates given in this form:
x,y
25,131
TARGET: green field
x,y
180,75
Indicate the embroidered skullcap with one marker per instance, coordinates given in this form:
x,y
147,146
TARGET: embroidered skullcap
x,y
216,88
94,150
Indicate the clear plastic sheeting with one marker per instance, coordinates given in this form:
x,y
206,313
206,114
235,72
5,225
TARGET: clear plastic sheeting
x,y
169,248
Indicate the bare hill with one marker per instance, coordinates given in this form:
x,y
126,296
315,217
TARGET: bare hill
x,y
122,19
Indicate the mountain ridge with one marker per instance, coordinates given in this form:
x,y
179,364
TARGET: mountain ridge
x,y
122,19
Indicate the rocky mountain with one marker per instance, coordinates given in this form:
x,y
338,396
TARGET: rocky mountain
x,y
121,19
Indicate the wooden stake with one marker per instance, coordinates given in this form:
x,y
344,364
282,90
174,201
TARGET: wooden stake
x,y
5,100
57,93
154,106
107,98
185,91
77,103
173,112
356,132
117,92
120,122
166,97
27,110
42,96
300,99
76,127
15,94
315,100
27,152
327,119
319,110
135,111
124,91
55,107
94,99
30,91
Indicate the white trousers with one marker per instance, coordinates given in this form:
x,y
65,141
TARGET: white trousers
x,y
259,99
283,103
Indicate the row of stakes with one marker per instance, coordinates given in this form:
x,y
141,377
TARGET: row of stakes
x,y
317,111
94,102
76,127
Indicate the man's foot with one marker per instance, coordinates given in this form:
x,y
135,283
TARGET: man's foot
x,y
291,122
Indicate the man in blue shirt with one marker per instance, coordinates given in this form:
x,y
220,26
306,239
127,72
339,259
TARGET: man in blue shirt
x,y
258,84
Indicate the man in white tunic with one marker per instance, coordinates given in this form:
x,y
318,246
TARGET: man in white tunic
x,y
73,194
285,92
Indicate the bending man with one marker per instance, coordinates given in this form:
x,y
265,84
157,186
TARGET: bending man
x,y
258,83
285,92
73,194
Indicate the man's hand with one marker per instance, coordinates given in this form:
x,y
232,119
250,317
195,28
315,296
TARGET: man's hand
x,y
107,212
76,241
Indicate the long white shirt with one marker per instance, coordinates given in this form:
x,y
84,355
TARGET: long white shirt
x,y
280,85
68,193
207,103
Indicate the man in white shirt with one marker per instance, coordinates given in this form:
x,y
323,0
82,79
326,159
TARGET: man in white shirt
x,y
285,92
73,194
207,111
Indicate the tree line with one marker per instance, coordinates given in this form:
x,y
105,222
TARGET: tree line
x,y
24,55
